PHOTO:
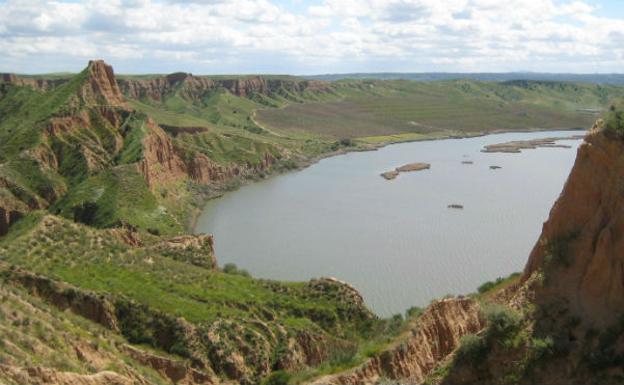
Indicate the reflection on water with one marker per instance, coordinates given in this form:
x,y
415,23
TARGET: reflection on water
x,y
396,241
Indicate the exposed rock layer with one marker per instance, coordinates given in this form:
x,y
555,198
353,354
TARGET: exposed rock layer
x,y
436,335
193,87
581,248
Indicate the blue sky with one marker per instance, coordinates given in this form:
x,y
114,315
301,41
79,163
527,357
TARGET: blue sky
x,y
316,36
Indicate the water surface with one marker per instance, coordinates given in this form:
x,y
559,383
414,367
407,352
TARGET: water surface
x,y
396,241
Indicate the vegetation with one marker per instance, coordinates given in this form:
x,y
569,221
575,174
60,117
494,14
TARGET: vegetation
x,y
614,121
557,249
231,268
103,230
397,107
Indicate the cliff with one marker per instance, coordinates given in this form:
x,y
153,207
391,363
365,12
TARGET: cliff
x,y
581,248
194,87
101,87
411,359
563,323
38,84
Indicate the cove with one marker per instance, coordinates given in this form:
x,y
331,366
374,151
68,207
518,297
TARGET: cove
x,y
396,241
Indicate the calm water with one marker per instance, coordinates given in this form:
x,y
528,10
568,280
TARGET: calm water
x,y
396,241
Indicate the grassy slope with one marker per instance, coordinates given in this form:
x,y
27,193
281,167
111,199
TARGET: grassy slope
x,y
23,113
382,108
35,334
94,260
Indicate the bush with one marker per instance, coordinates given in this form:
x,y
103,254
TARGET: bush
x,y
489,285
501,321
614,122
231,268
85,213
413,312
277,378
472,349
542,347
558,248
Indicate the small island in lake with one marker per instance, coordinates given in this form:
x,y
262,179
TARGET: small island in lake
x,y
519,145
389,175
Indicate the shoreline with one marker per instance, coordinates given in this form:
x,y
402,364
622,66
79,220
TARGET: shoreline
x,y
220,191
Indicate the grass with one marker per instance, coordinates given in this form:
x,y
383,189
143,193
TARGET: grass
x,y
490,288
387,108
23,112
33,333
117,195
97,261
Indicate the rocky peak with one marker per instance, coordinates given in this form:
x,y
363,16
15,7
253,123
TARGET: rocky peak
x,y
581,249
101,86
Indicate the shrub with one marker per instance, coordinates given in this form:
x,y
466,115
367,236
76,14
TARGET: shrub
x,y
85,213
413,312
277,378
542,347
231,268
501,321
472,349
614,121
489,285
558,248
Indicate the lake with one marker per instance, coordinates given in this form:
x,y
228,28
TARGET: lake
x,y
396,241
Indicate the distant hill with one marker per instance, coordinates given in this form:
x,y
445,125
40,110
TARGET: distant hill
x,y
615,79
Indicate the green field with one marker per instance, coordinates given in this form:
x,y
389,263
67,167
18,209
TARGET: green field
x,y
380,108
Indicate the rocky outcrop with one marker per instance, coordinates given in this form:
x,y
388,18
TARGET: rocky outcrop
x,y
411,359
196,249
194,87
176,371
204,170
581,249
101,87
35,83
160,164
47,376
163,163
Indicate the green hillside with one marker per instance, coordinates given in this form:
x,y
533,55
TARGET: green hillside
x,y
377,108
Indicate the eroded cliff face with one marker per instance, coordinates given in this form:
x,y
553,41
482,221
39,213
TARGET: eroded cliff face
x,y
581,249
163,163
102,86
435,336
194,87
37,84
238,349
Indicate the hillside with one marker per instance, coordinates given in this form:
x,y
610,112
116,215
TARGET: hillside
x,y
102,283
376,109
613,78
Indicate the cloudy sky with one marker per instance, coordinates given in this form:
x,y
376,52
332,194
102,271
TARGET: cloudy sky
x,y
314,36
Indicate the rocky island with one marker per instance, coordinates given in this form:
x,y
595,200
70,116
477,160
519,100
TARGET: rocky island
x,y
389,175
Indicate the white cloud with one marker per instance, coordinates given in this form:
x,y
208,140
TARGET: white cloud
x,y
330,36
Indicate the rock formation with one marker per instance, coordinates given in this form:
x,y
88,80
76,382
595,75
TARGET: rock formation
x,y
411,359
101,87
193,87
581,249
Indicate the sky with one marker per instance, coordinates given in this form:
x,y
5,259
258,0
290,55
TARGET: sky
x,y
313,36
